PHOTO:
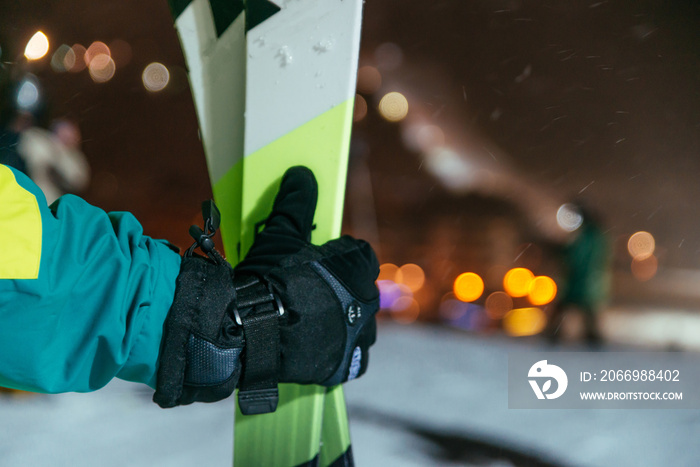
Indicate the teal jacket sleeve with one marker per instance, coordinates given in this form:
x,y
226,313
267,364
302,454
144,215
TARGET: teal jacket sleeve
x,y
83,293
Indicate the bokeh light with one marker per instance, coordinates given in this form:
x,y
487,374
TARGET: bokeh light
x,y
393,295
101,68
389,272
403,301
28,93
37,47
389,292
517,282
468,286
498,304
96,49
524,321
412,276
155,77
641,245
644,268
568,217
360,110
77,59
369,79
542,290
405,310
393,107
62,59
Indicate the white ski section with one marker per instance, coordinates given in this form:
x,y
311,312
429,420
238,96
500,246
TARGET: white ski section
x,y
301,63
217,78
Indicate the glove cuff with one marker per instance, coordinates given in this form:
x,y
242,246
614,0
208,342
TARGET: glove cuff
x,y
201,346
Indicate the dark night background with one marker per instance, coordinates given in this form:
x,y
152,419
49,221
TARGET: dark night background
x,y
528,104
598,100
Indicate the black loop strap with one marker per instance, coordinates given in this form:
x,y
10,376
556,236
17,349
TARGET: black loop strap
x,y
261,360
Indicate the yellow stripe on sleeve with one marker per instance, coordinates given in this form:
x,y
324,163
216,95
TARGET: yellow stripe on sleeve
x,y
20,229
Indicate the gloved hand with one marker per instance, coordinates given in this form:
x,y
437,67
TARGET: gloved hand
x,y
290,312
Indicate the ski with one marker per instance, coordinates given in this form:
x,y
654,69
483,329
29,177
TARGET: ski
x,y
274,86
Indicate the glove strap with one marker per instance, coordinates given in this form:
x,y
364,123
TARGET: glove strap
x,y
260,310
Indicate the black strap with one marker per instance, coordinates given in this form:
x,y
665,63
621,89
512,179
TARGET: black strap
x,y
259,315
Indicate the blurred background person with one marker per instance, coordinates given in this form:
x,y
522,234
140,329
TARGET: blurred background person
x,y
585,285
52,158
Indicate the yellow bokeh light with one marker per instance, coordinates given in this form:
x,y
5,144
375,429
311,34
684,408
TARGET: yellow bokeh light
x,y
393,107
37,46
517,282
412,276
155,77
644,269
498,304
641,245
524,321
542,290
468,287
101,68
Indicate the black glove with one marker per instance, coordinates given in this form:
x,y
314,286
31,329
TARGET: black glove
x,y
291,312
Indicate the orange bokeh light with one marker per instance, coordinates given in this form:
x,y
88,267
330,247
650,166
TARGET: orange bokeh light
x,y
542,290
517,282
388,272
412,276
468,286
641,245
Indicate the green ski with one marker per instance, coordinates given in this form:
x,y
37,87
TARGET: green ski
x,y
274,86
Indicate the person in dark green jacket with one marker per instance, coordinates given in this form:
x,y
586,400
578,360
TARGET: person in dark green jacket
x,y
85,297
586,260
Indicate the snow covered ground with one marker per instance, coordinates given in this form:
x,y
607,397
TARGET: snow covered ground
x,y
433,396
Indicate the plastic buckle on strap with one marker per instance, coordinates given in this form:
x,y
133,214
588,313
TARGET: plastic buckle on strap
x,y
258,401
